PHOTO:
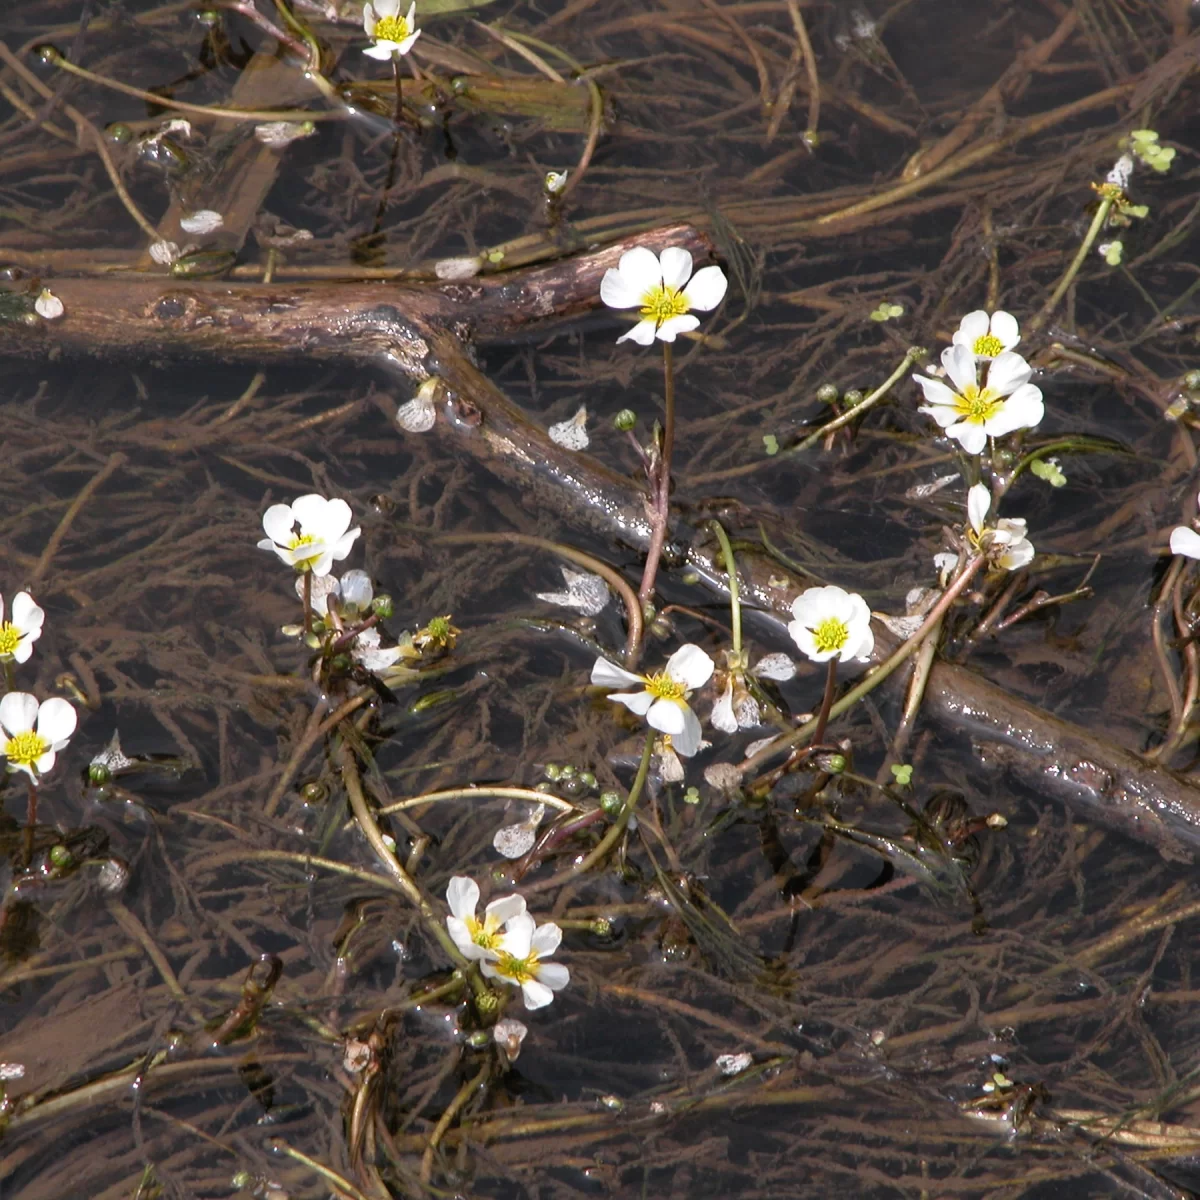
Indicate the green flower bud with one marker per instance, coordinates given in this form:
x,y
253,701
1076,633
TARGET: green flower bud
x,y
487,1005
625,420
827,393
602,927
61,858
1191,381
611,803
587,778
479,1039
552,771
567,772
835,764
119,133
853,397
99,774
314,792
381,606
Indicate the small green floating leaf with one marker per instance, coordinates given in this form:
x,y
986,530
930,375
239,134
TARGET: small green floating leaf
x,y
1049,470
770,444
902,773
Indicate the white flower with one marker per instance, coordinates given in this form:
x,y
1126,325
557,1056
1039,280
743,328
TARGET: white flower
x,y
516,840
324,536
987,337
774,666
18,634
519,960
1122,171
278,134
206,220
478,939
735,708
662,699
944,563
655,286
48,306
164,253
322,589
972,414
392,34
832,623
586,592
1184,541
419,414
31,734
1006,544
368,653
572,433
554,182
357,592
508,1034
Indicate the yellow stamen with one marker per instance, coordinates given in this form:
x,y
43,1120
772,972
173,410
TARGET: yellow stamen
x,y
391,29
662,303
976,405
519,970
10,637
663,687
24,749
831,634
988,346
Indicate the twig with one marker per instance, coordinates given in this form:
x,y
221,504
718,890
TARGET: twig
x,y
115,461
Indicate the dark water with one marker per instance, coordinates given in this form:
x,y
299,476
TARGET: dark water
x,y
871,1007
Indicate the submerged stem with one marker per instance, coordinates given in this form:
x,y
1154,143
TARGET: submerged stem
x,y
735,604
1098,222
660,484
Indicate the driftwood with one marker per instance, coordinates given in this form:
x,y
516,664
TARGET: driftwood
x,y
422,332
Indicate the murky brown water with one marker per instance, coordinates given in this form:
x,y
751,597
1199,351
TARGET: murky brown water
x,y
871,1006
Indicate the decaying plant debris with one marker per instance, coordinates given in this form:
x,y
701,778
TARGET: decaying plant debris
x,y
1014,1020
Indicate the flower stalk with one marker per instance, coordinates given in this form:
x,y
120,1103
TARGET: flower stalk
x,y
1098,222
735,604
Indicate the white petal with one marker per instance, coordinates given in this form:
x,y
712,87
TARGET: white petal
x,y
675,263
411,19
642,333
553,975
666,716
546,939
206,220
722,717
572,433
357,590
690,666
1018,555
971,437
536,995
48,306
707,289
775,666
504,908
24,651
859,649
342,547
971,328
1185,541
672,327
462,895
319,593
462,937
618,292
641,269
959,364
26,615
979,500
326,520
45,763
1004,326
936,392
18,712
1007,372
1022,410
381,51
405,46
638,703
278,521
687,740
608,674
518,936
57,720
802,636
418,415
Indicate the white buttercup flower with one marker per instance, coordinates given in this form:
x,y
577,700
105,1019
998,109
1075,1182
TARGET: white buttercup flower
x,y
311,533
586,592
655,285
323,588
662,699
832,623
392,34
987,337
367,651
1185,541
31,734
1005,543
970,413
22,629
478,939
519,960
48,306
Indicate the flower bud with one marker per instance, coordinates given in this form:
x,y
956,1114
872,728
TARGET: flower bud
x,y
611,803
381,606
625,420
827,393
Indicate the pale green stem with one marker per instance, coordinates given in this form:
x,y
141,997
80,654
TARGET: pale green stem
x,y
735,606
915,354
1089,238
876,677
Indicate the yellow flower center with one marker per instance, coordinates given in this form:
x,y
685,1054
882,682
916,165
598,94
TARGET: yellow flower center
x,y
831,634
24,749
10,636
392,29
977,405
483,933
663,687
519,970
662,303
303,539
988,346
